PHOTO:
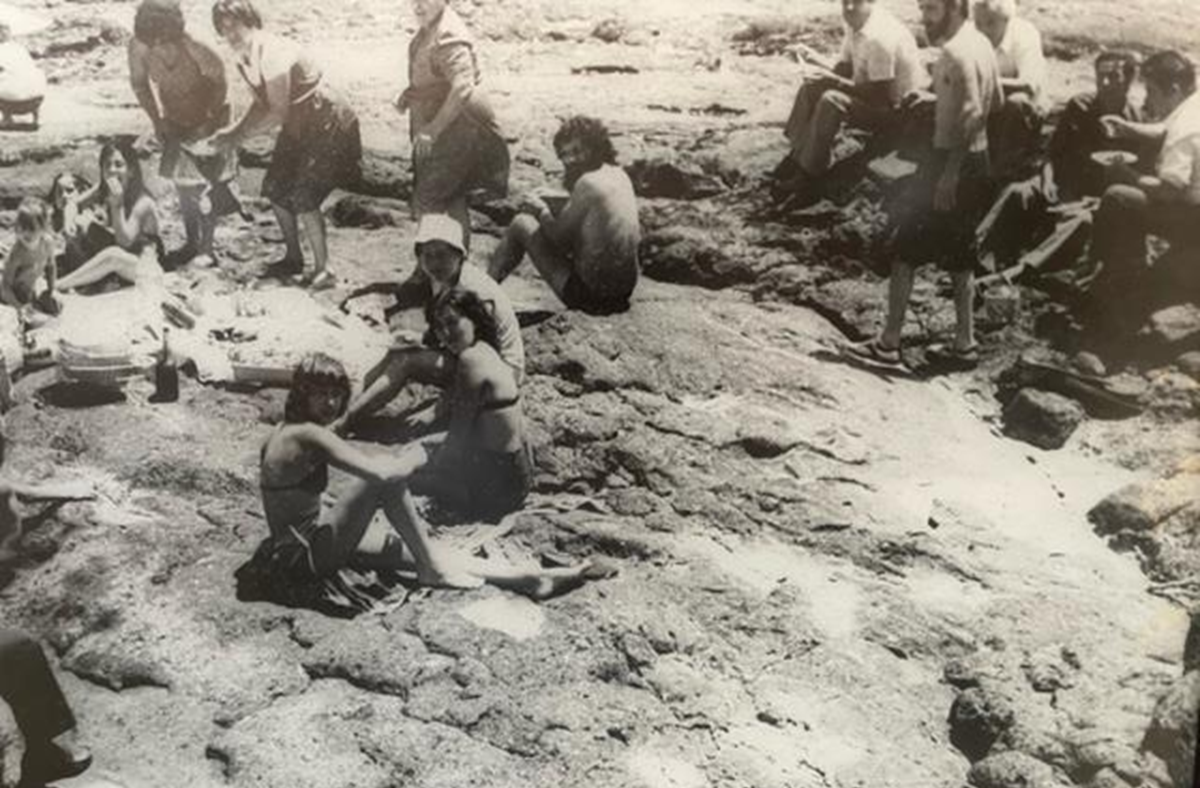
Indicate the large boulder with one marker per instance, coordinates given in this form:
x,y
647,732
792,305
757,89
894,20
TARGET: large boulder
x,y
1146,505
1041,418
1172,732
672,180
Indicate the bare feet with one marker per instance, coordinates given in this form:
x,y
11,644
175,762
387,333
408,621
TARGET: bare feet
x,y
442,573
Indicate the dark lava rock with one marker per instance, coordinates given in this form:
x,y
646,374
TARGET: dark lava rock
x,y
1172,732
686,255
1191,648
978,719
1042,419
659,177
1011,770
1145,506
371,213
610,31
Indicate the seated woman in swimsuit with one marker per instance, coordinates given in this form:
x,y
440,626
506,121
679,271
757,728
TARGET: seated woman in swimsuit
x,y
131,216
483,469
309,542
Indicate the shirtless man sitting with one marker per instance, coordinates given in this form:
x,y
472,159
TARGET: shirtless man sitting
x,y
588,251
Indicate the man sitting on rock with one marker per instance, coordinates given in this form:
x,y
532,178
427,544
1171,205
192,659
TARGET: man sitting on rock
x,y
29,688
588,251
879,66
1017,127
441,267
1166,204
1020,216
951,190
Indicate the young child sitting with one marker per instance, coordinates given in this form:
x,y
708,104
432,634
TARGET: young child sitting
x,y
30,272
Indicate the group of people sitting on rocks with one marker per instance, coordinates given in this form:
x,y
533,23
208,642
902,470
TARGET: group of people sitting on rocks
x,y
584,244
973,199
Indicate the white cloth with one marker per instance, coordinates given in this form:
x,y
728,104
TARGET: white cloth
x,y
20,77
1179,160
965,73
884,49
1019,56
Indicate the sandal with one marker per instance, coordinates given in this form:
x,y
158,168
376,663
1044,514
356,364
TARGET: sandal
x,y
873,354
957,358
316,281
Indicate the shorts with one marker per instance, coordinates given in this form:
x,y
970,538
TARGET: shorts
x,y
579,296
948,238
487,486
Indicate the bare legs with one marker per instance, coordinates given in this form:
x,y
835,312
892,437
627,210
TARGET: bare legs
x,y
314,230
198,227
900,287
291,236
524,236
113,260
386,379
433,566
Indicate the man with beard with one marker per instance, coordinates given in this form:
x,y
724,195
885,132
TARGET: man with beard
x,y
879,66
1166,204
952,188
1021,215
588,251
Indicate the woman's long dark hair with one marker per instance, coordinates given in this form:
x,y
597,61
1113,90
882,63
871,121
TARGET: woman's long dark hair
x,y
472,307
315,372
135,189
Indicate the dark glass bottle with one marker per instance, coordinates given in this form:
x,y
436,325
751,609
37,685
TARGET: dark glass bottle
x,y
166,374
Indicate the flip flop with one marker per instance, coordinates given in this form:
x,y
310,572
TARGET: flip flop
x,y
322,281
874,355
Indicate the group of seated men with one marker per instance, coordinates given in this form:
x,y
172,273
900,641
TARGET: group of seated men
x,y
987,92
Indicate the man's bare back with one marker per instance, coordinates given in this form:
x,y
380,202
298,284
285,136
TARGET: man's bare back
x,y
600,223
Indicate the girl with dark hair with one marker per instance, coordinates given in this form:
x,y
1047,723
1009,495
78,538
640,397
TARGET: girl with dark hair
x,y
131,215
310,542
180,83
319,147
457,144
483,469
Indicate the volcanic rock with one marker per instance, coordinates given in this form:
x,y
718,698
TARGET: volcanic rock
x,y
1042,419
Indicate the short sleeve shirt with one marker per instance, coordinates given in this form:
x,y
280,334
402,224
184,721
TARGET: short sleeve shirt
x,y
884,49
1179,161
1020,56
966,71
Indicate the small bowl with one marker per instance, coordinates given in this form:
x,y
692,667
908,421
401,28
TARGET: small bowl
x,y
1109,158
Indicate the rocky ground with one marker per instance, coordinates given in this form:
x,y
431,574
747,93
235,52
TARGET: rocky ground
x,y
827,578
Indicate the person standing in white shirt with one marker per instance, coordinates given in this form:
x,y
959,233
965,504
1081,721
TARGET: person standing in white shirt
x,y
1018,44
21,80
1165,204
879,65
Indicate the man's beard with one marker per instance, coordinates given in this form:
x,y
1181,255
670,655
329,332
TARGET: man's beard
x,y
937,33
572,175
